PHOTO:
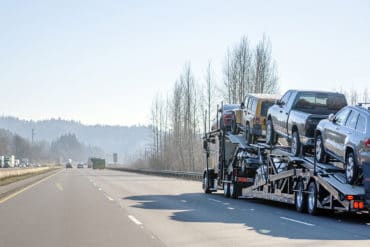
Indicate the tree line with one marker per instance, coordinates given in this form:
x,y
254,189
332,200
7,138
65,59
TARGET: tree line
x,y
179,118
65,147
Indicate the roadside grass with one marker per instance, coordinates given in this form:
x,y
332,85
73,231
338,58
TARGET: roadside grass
x,y
15,178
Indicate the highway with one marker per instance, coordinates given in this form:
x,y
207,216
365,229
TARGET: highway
x,y
84,207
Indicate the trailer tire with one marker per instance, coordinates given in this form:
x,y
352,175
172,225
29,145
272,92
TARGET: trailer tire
x,y
312,198
300,199
205,184
226,189
234,190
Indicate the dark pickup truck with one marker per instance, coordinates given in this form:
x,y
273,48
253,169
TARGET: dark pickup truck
x,y
296,115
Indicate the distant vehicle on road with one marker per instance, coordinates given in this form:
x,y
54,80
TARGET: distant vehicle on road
x,y
80,165
345,136
296,115
225,114
68,165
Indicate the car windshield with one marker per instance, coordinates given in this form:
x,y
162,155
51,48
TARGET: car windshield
x,y
320,103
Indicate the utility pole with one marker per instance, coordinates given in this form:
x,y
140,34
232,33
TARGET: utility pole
x,y
32,135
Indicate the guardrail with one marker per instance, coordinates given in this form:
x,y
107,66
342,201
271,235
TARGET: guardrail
x,y
196,176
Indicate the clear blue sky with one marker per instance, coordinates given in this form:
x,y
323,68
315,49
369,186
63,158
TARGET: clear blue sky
x,y
103,61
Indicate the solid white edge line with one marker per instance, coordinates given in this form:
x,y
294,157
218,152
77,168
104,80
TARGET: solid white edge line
x,y
133,219
297,221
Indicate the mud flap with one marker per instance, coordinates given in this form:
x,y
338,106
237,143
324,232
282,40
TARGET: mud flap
x,y
366,172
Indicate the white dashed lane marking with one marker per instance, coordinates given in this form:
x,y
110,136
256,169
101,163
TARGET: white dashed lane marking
x,y
133,219
297,221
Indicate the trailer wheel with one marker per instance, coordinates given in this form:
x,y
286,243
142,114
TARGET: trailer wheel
x,y
205,184
234,190
300,198
312,198
226,189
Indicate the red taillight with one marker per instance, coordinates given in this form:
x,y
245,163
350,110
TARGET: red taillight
x,y
367,143
355,204
350,197
243,180
361,205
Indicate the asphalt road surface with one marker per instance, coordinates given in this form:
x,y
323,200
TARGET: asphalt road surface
x,y
84,207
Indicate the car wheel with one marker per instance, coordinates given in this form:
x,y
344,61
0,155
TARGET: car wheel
x,y
234,126
295,146
248,136
300,198
312,198
351,168
271,137
226,189
221,126
319,149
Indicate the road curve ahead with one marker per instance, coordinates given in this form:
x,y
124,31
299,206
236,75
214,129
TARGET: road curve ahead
x,y
84,207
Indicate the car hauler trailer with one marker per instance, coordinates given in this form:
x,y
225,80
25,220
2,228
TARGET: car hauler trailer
x,y
267,172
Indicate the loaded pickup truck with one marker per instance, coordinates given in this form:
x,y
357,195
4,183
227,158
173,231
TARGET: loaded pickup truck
x,y
296,115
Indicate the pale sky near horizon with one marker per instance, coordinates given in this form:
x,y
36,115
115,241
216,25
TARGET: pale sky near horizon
x,y
104,61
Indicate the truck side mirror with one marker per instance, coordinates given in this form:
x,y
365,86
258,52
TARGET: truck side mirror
x,y
205,144
242,106
278,102
331,117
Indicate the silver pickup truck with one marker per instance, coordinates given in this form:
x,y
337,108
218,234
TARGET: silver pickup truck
x,y
296,115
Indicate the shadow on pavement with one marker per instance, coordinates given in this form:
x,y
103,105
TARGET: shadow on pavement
x,y
264,217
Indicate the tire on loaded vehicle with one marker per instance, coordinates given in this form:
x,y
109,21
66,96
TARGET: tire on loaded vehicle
x,y
320,154
351,168
295,145
249,138
234,125
271,136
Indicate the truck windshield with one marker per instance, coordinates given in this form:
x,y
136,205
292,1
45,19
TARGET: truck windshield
x,y
320,103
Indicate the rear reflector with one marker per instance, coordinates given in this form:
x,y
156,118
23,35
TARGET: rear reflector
x,y
367,143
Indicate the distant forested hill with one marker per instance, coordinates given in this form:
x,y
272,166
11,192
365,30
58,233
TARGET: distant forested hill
x,y
121,139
